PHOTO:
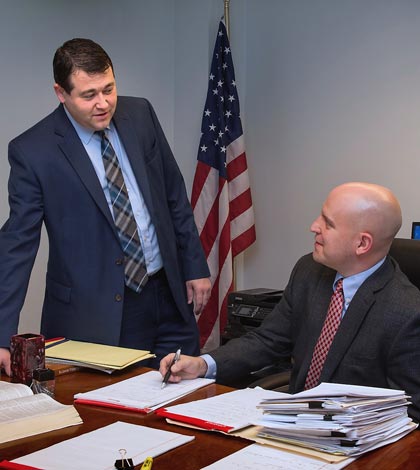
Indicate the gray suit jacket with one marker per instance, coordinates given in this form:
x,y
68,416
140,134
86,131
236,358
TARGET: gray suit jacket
x,y
377,343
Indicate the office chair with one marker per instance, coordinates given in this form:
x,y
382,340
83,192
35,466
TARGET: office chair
x,y
406,252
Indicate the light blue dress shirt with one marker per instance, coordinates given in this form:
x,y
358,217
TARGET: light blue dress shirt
x,y
352,283
147,233
350,286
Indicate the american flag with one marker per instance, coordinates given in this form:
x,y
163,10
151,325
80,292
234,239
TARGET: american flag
x,y
221,195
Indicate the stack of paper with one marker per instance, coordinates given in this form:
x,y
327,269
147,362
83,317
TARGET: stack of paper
x,y
94,356
336,418
143,393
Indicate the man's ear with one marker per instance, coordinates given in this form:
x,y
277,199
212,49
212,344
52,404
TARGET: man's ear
x,y
365,243
59,91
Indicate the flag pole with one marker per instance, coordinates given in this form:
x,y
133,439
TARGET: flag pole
x,y
227,24
226,14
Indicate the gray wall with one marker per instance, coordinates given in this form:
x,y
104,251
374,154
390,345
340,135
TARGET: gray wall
x,y
329,92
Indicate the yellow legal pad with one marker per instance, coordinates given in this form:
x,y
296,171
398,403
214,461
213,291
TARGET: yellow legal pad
x,y
95,356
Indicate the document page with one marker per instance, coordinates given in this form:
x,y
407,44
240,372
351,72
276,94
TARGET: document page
x,y
257,457
226,412
34,414
143,392
9,391
99,449
33,405
330,390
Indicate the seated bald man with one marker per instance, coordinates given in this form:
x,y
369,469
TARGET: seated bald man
x,y
377,342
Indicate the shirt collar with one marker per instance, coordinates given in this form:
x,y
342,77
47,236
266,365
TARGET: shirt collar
x,y
352,283
84,133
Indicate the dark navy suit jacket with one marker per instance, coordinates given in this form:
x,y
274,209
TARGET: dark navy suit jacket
x,y
52,181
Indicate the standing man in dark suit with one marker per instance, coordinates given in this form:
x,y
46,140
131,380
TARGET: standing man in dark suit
x,y
125,263
377,342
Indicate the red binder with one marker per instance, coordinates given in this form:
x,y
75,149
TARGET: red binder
x,y
6,465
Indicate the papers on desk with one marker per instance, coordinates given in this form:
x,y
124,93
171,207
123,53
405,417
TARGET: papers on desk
x,y
94,356
330,422
257,457
226,413
142,393
99,449
337,419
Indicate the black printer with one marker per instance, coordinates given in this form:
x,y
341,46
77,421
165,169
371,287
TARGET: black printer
x,y
247,309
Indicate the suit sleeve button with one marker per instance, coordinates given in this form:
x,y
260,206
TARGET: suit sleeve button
x,y
118,297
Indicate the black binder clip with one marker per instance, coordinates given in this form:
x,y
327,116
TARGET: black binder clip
x,y
123,463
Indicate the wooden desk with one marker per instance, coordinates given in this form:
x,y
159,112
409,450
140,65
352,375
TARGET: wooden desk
x,y
206,448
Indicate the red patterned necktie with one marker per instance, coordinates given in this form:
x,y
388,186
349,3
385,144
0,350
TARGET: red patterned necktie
x,y
326,337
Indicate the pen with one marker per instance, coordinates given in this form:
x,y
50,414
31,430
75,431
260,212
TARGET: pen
x,y
147,464
168,372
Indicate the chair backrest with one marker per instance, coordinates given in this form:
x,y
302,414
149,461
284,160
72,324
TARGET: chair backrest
x,y
406,252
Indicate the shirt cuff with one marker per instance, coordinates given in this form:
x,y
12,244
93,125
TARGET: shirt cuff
x,y
211,367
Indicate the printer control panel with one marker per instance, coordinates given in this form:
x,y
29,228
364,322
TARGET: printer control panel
x,y
250,311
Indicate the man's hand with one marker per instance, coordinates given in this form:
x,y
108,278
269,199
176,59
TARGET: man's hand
x,y
198,291
188,367
5,360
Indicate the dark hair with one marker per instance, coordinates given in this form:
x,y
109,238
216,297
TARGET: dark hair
x,y
78,53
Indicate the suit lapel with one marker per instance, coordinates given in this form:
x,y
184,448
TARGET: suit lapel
x,y
358,309
129,137
349,326
74,151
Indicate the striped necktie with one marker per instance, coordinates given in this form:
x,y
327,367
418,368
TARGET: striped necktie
x,y
332,321
134,263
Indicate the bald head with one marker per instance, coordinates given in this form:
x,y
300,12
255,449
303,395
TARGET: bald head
x,y
371,208
356,227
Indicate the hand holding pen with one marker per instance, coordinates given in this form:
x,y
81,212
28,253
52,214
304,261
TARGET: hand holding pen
x,y
176,357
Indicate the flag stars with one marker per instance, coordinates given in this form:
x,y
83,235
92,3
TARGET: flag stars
x,y
224,66
223,149
228,113
215,91
231,98
216,142
227,50
220,83
220,134
207,112
211,77
212,127
203,148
